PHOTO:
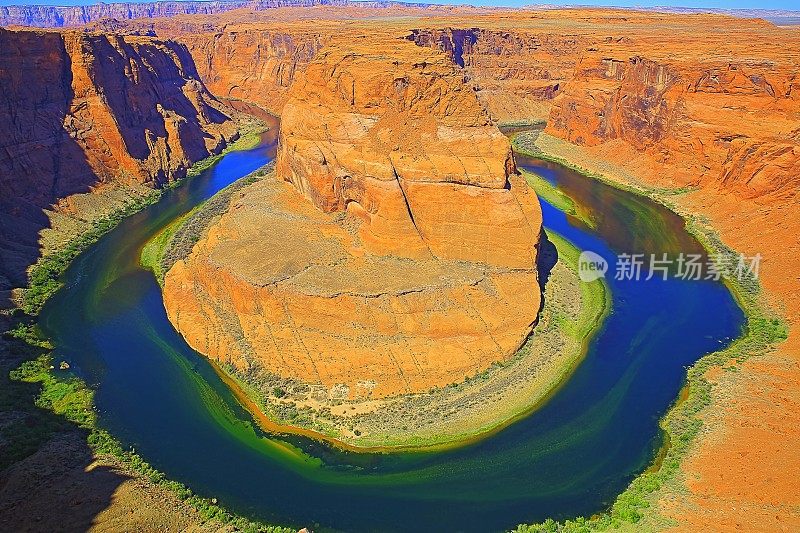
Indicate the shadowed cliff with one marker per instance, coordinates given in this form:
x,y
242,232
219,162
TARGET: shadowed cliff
x,y
87,112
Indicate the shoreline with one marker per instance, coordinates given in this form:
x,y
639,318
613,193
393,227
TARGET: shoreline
x,y
75,408
764,328
44,274
448,433
631,505
256,409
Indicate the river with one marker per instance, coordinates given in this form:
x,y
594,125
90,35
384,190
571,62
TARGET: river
x,y
569,458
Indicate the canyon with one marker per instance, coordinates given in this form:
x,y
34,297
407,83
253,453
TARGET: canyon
x,y
111,115
703,104
67,16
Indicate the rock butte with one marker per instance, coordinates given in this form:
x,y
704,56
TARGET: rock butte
x,y
427,273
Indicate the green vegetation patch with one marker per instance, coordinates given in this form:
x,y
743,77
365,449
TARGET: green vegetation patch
x,y
61,401
595,295
177,239
557,198
39,397
153,251
43,277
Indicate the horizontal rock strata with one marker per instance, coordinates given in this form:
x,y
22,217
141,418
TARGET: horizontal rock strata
x,y
87,111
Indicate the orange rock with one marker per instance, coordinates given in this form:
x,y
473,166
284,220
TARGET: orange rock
x,y
731,123
254,65
414,263
390,130
314,307
704,100
82,110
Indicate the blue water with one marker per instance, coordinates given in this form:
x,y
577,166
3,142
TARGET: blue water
x,y
571,457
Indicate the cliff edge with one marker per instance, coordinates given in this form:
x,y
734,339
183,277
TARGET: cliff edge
x,y
86,112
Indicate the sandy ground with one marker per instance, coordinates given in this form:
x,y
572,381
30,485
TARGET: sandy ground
x,y
64,487
741,475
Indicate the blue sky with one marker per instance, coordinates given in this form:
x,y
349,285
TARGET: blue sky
x,y
723,4
731,4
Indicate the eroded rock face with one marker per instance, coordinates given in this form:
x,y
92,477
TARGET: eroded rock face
x,y
393,251
517,73
48,16
251,64
279,286
85,110
732,125
45,16
391,132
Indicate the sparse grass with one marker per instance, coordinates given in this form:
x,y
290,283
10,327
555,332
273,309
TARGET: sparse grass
x,y
176,240
523,123
64,401
23,426
524,142
153,250
459,413
43,278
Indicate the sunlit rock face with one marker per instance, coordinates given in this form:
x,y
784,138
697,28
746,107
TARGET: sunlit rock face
x,y
394,248
390,131
691,119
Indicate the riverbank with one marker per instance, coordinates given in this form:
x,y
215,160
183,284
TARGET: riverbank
x,y
466,412
446,417
634,508
44,275
176,239
55,456
650,497
552,195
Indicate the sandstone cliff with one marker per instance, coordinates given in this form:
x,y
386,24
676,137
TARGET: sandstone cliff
x,y
633,89
253,64
48,16
517,73
396,136
407,244
86,111
730,124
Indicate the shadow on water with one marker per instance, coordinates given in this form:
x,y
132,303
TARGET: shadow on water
x,y
545,262
51,165
629,223
49,480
